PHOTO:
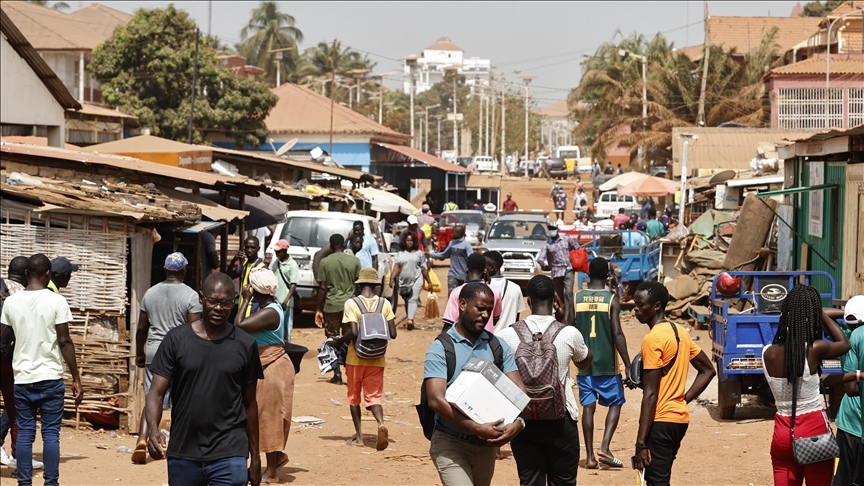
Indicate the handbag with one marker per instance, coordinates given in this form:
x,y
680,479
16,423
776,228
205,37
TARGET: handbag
x,y
406,292
817,448
637,368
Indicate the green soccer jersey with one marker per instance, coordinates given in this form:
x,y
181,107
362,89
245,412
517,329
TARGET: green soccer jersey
x,y
593,308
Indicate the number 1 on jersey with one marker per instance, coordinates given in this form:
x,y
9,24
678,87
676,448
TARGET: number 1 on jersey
x,y
593,327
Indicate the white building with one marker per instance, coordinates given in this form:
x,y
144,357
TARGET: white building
x,y
435,59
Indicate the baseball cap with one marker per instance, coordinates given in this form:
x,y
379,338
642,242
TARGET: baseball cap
x,y
412,219
62,265
509,193
368,275
281,245
855,308
175,262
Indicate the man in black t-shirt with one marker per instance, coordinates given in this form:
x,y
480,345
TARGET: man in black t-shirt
x,y
213,369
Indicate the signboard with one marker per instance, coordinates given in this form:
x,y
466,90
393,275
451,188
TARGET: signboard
x,y
457,117
817,199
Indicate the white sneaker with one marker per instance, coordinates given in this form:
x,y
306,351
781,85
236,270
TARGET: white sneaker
x,y
4,459
13,463
37,464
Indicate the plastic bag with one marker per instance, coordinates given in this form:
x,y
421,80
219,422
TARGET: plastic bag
x,y
436,284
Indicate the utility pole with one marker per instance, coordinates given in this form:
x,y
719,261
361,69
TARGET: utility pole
x,y
332,95
194,86
455,121
682,198
701,116
480,122
439,117
411,62
527,80
492,121
503,123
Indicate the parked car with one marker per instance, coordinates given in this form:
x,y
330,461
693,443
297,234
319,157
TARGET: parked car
x,y
559,169
584,164
309,231
519,238
465,161
449,219
484,163
610,202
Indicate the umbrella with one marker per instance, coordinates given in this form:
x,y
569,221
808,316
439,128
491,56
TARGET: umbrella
x,y
649,186
385,202
263,209
622,180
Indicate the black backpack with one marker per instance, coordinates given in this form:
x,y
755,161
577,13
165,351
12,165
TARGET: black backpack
x,y
424,412
7,344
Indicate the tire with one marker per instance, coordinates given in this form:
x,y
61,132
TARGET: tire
x,y
728,397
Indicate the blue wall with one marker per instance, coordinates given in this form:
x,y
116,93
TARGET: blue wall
x,y
347,154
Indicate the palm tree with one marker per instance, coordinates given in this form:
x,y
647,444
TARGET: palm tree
x,y
59,6
267,30
315,67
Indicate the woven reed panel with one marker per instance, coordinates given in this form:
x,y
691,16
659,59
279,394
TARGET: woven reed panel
x,y
100,282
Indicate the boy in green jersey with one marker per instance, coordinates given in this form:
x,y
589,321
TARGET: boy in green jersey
x,y
596,317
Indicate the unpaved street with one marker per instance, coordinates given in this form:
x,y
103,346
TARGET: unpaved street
x,y
714,452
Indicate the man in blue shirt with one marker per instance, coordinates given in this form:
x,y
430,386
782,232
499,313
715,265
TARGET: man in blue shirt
x,y
464,451
457,251
368,253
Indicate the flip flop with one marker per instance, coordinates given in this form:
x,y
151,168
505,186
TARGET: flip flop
x,y
382,442
589,465
139,456
608,460
282,463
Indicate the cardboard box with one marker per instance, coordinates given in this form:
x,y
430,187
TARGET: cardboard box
x,y
726,197
484,394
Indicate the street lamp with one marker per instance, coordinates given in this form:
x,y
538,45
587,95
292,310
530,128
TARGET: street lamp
x,y
504,117
455,70
439,117
828,57
411,62
358,75
426,133
277,56
623,53
527,80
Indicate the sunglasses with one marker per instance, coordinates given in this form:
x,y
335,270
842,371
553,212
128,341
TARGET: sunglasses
x,y
225,304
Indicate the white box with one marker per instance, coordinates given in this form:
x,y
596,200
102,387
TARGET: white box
x,y
484,394
726,197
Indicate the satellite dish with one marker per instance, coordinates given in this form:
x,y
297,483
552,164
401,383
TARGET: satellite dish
x,y
286,147
721,177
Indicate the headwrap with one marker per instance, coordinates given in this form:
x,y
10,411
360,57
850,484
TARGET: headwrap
x,y
263,281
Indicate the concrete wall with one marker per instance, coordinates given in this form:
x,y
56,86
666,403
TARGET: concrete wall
x,y
24,99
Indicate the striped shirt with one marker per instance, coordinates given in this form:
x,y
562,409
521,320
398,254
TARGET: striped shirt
x,y
557,253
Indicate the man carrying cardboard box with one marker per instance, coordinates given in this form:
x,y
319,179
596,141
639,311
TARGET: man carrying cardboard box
x,y
463,450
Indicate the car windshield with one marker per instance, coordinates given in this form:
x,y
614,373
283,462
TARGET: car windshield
x,y
518,230
568,154
461,218
304,231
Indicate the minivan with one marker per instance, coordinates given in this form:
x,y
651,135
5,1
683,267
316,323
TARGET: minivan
x,y
610,202
309,231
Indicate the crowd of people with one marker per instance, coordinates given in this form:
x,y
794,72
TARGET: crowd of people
x,y
226,345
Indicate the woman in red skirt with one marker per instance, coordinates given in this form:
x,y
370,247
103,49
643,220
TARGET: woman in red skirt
x,y
796,356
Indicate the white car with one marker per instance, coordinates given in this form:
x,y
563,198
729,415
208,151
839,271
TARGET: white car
x,y
484,163
610,202
309,231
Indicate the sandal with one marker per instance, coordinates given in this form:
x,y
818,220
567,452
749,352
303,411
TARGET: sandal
x,y
410,325
139,456
608,460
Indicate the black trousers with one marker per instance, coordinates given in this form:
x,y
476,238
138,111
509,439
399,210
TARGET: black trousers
x,y
663,441
547,452
850,469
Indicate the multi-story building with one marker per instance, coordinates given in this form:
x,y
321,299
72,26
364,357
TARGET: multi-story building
x,y
432,66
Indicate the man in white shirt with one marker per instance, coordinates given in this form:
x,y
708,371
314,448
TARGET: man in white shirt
x,y
512,301
39,319
548,450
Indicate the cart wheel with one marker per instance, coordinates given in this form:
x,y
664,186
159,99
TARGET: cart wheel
x,y
728,397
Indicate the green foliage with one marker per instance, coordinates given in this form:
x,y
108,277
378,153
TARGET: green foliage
x,y
820,9
611,88
269,29
315,70
146,70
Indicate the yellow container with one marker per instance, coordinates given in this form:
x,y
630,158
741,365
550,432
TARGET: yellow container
x,y
571,165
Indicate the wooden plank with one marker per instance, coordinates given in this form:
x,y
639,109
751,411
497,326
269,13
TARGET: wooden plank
x,y
757,218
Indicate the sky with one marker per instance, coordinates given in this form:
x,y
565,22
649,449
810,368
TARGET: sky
x,y
543,39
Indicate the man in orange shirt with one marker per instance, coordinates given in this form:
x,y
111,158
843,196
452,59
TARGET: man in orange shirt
x,y
666,351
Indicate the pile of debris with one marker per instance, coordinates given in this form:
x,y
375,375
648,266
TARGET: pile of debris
x,y
711,246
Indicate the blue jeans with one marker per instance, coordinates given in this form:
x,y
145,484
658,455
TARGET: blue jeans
x,y
230,471
46,398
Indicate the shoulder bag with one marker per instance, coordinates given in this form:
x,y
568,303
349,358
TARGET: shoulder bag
x,y
817,448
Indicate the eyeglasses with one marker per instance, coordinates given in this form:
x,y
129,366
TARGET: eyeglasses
x,y
225,304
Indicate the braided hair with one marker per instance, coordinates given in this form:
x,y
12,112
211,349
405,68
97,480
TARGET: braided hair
x,y
800,325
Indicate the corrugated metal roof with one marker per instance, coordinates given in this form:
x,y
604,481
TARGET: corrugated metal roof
x,y
88,109
725,148
825,135
423,157
352,175
47,29
144,144
301,110
481,181
24,49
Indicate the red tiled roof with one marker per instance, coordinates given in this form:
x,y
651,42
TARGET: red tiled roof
x,y
817,66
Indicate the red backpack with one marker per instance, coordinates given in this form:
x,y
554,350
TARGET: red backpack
x,y
537,360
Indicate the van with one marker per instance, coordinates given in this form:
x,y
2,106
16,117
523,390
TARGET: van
x,y
610,202
484,163
309,231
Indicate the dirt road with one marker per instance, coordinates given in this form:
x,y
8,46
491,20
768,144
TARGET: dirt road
x,y
535,194
714,452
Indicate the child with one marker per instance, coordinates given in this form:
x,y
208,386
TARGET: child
x,y
365,374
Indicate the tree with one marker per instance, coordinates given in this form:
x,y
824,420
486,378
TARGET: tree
x,y
267,30
59,6
819,9
146,70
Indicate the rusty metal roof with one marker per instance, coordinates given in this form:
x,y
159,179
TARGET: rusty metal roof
x,y
423,157
352,175
24,49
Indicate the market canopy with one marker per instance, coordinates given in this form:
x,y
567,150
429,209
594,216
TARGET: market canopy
x,y
263,209
649,186
622,180
385,202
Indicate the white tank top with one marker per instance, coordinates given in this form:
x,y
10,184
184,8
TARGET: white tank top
x,y
809,399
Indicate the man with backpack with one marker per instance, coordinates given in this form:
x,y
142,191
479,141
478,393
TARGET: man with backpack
x,y
475,272
597,318
462,450
512,302
547,452
370,324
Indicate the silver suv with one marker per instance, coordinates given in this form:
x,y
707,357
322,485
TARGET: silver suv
x,y
519,238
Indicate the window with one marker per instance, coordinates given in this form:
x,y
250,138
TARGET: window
x,y
298,231
80,137
329,227
856,107
803,108
518,230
